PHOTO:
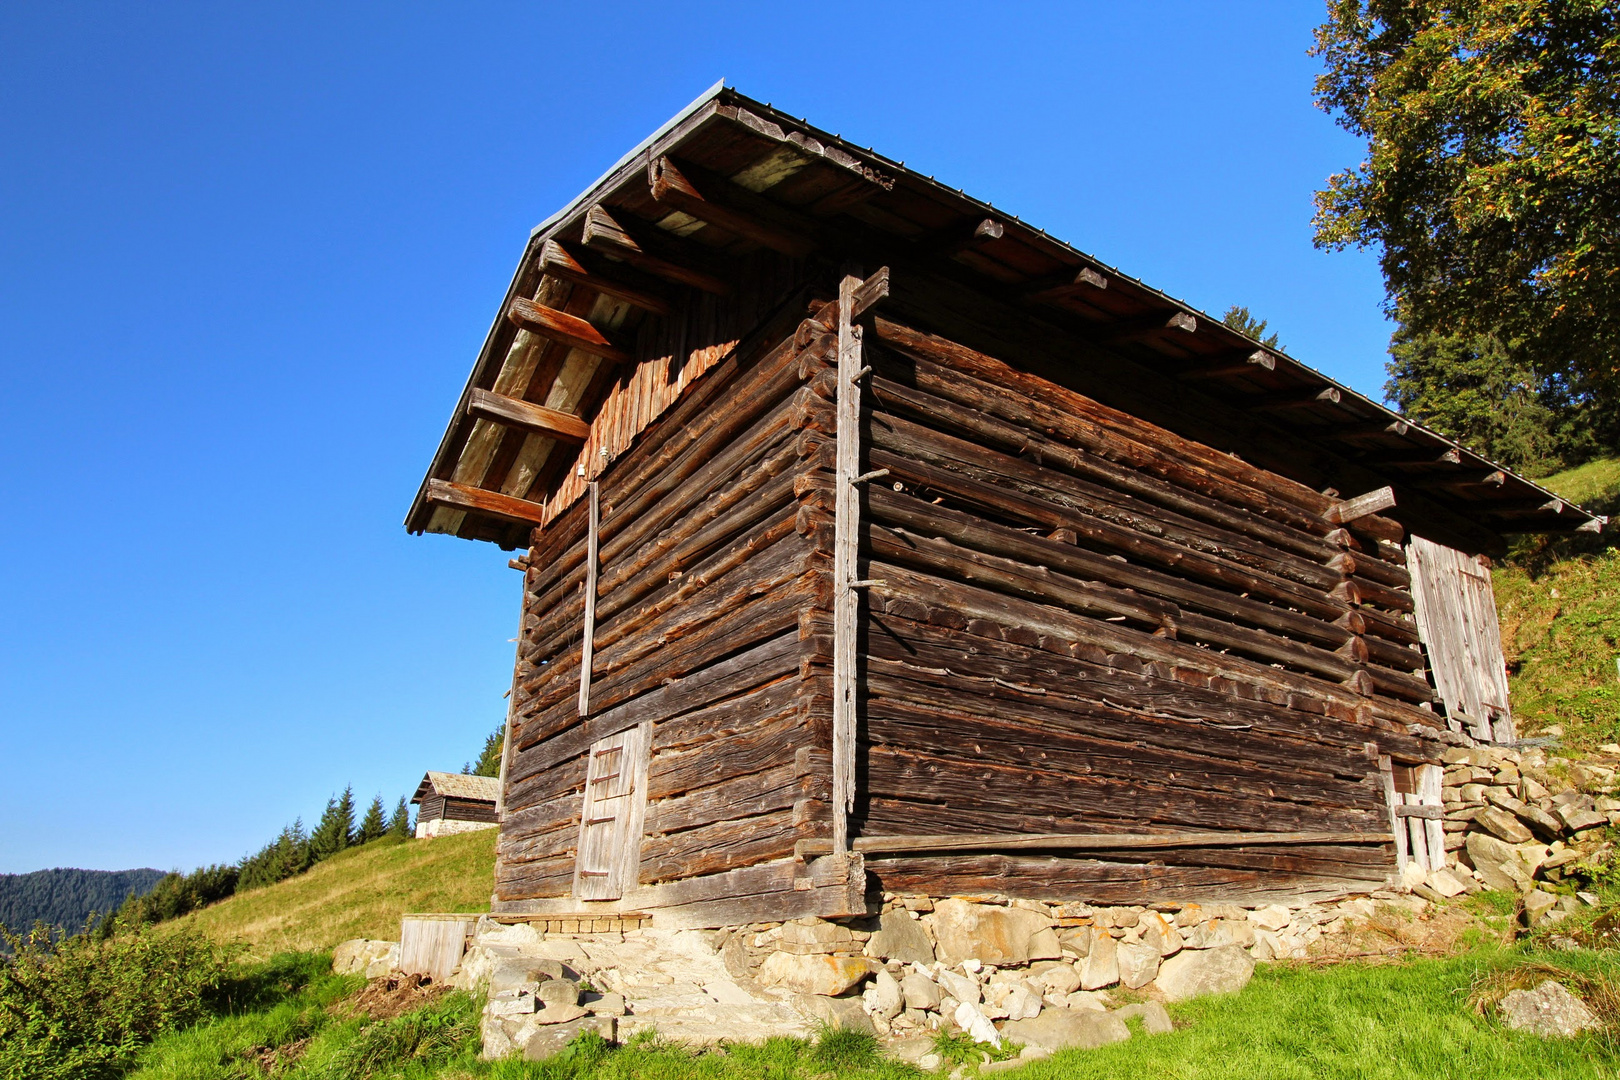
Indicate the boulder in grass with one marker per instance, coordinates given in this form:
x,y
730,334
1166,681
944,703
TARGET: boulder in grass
x,y
363,956
1065,1029
544,1042
1549,1010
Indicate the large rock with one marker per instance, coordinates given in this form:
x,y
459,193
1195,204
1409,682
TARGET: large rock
x,y
920,991
524,973
1214,933
815,973
1062,1029
362,956
1059,979
900,937
884,997
1138,964
1549,1010
1503,824
1271,917
996,935
811,936
1193,973
1100,968
1498,863
543,1042
844,1013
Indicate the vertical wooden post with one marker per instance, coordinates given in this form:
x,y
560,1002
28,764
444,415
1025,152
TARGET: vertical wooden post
x,y
1397,824
511,697
846,547
588,642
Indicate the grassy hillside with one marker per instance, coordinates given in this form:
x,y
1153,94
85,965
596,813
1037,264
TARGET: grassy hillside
x,y
359,893
1560,607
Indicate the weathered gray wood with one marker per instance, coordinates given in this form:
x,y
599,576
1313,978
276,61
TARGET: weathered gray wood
x,y
609,851
1359,507
588,641
846,600
1456,618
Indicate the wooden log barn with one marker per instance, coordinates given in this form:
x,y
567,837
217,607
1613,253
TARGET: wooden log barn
x,y
876,540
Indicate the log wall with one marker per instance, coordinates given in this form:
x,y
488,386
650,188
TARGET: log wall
x,y
710,570
1082,624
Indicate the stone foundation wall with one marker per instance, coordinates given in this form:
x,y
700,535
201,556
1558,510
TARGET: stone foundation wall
x,y
1524,821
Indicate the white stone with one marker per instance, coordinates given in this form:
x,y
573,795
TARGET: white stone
x,y
1060,979
1214,933
362,956
1088,1001
1061,1029
960,987
976,1024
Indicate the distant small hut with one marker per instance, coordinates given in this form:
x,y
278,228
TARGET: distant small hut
x,y
455,803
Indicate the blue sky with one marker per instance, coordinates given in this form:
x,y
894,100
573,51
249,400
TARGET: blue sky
x,y
247,255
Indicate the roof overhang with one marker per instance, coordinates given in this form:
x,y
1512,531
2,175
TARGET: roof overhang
x,y
769,179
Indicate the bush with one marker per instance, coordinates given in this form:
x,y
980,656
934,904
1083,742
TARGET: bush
x,y
81,1008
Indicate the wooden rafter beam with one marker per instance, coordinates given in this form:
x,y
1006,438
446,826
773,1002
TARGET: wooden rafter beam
x,y
1293,399
1449,456
1223,366
661,256
477,500
1373,502
1494,478
1063,282
959,238
715,204
1373,427
564,427
558,262
1147,326
565,329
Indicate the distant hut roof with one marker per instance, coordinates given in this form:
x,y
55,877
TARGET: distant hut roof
x,y
458,786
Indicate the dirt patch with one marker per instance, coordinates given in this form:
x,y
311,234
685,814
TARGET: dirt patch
x,y
275,1059
390,996
1394,933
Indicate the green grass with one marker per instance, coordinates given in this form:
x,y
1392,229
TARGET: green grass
x,y
1559,602
358,893
1353,1021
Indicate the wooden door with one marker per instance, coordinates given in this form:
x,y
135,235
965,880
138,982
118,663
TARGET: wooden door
x,y
609,859
1456,616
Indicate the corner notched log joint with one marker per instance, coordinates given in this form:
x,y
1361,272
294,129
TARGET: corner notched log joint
x,y
1374,502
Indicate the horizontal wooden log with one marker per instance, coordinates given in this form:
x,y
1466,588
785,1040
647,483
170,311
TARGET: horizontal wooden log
x,y
565,329
1072,842
553,423
465,497
1362,505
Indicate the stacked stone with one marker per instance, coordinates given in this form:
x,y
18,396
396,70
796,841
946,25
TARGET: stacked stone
x,y
1040,974
1522,822
537,1006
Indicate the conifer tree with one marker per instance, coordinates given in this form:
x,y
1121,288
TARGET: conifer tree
x,y
375,823
400,824
335,831
489,761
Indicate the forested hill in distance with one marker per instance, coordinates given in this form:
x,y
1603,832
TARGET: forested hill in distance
x,y
66,898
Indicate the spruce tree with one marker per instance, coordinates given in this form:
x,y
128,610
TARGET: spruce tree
x,y
1239,319
400,824
335,831
374,824
489,761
